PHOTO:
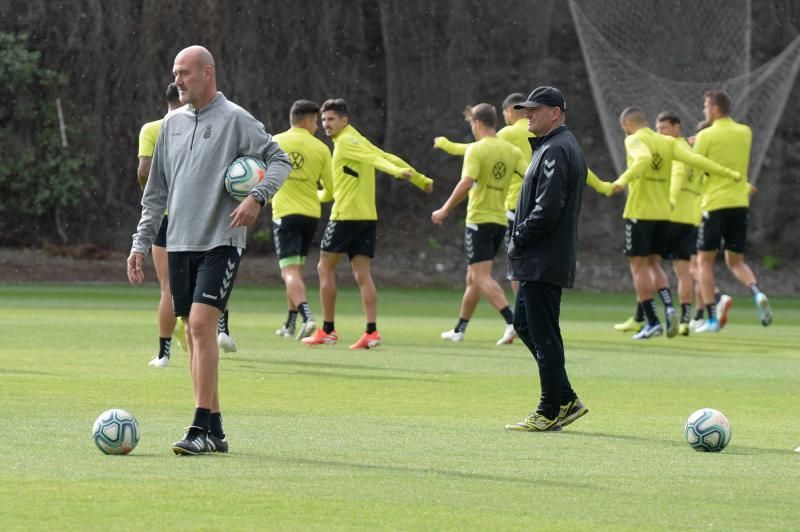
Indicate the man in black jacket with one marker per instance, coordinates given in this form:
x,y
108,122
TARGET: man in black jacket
x,y
542,254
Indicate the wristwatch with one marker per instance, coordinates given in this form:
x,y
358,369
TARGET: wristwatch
x,y
259,197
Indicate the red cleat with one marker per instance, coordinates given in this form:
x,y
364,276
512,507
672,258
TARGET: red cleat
x,y
367,340
321,338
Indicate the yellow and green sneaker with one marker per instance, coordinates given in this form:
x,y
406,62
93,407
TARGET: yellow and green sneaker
x,y
629,325
570,412
535,422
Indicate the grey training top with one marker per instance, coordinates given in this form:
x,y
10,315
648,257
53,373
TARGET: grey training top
x,y
194,149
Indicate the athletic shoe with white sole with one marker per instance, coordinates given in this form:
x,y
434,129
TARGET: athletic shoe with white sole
x,y
764,310
306,329
226,343
453,336
696,324
321,338
710,326
194,442
672,322
285,331
367,341
508,335
648,332
723,306
217,445
159,362
535,422
629,325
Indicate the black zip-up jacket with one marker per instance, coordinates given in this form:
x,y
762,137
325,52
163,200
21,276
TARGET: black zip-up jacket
x,y
544,239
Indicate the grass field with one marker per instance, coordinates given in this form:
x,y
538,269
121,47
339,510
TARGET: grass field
x,y
407,436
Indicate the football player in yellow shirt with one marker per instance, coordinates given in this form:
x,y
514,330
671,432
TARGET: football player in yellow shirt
x,y
296,209
489,166
352,228
166,315
647,210
725,205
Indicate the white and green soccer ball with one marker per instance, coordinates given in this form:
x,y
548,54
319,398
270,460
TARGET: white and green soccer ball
x,y
115,431
707,430
242,175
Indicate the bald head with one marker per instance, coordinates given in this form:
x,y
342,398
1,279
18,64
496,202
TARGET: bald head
x,y
632,119
195,76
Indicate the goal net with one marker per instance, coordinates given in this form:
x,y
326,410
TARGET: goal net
x,y
660,55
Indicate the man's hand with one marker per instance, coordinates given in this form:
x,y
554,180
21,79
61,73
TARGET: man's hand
x,y
406,174
616,189
438,141
428,188
752,190
135,271
246,213
438,216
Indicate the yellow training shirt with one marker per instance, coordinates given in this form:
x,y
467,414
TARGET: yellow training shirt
x,y
728,143
518,135
148,137
649,156
491,162
354,162
685,192
311,165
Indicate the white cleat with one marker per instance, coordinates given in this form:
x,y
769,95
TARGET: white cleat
x,y
764,310
723,307
306,329
157,362
453,336
508,335
285,331
696,324
226,343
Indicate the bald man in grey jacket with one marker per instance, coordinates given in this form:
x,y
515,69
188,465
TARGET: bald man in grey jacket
x,y
206,233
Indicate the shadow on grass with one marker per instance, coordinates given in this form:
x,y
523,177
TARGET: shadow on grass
x,y
539,482
12,372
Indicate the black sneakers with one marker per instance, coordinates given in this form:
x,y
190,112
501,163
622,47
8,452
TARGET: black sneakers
x,y
194,442
217,445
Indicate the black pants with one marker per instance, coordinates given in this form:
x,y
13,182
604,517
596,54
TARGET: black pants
x,y
536,314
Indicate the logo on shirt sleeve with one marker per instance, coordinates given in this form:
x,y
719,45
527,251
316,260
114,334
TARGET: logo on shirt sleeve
x,y
549,167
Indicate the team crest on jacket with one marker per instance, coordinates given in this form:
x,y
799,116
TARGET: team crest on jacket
x,y
297,160
207,133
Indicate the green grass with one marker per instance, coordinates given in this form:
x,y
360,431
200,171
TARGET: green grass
x,y
407,436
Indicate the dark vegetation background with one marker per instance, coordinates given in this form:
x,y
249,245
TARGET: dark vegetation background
x,y
407,68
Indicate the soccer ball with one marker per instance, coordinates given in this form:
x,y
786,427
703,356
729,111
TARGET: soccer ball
x,y
115,431
707,430
242,175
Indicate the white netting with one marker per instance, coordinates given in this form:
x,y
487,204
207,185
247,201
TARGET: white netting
x,y
661,55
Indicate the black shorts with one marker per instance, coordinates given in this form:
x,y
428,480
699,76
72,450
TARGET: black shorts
x,y
682,241
354,237
293,235
202,277
646,237
161,237
728,225
483,241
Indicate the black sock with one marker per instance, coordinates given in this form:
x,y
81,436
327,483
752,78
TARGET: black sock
x,y
700,313
666,296
202,418
712,311
507,315
649,307
222,323
304,310
215,425
291,319
461,326
371,327
163,346
639,314
327,327
686,311
717,295
754,288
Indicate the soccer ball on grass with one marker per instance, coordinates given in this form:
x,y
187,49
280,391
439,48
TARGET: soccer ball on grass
x,y
707,430
242,175
115,431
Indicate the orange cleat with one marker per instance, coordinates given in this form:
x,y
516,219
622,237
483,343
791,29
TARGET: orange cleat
x,y
321,338
367,340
